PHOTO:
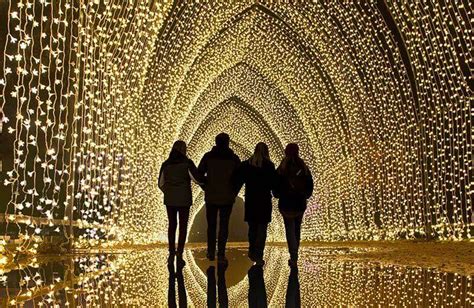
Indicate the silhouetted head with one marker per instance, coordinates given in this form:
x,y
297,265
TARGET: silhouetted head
x,y
222,140
292,159
179,146
259,155
292,150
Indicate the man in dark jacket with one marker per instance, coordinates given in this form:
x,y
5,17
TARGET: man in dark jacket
x,y
218,166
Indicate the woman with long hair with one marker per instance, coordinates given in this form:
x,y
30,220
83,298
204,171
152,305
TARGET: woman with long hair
x,y
259,175
175,178
294,187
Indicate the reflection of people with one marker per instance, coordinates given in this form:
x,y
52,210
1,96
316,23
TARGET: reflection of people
x,y
294,187
292,298
182,297
258,174
257,291
218,166
221,286
175,182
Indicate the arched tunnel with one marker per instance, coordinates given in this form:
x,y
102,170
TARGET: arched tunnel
x,y
378,95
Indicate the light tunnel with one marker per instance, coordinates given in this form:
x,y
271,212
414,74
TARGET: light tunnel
x,y
376,93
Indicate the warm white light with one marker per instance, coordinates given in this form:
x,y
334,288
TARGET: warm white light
x,y
93,94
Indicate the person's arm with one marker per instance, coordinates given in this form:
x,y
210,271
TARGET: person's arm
x,y
276,190
238,178
237,159
161,178
273,177
194,174
202,168
309,183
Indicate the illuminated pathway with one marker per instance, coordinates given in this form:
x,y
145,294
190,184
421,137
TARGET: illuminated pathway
x,y
377,93
140,279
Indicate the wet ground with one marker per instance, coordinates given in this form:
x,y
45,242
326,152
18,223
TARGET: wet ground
x,y
143,279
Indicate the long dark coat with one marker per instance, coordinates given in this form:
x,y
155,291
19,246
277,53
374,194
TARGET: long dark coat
x,y
259,182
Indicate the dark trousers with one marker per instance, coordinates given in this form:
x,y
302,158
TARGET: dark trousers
x,y
257,291
293,233
223,298
257,238
224,215
182,297
293,297
173,213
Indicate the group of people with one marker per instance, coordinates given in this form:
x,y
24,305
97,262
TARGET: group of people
x,y
221,175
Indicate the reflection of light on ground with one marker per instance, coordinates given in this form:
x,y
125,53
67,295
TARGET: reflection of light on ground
x,y
141,278
237,268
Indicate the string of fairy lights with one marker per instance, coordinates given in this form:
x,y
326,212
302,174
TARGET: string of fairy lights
x,y
375,140
71,84
377,94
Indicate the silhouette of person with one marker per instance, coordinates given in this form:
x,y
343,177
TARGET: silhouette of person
x,y
221,286
294,187
175,178
257,291
259,176
293,297
182,297
218,167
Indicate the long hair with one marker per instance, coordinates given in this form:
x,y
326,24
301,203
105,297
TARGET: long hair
x,y
259,155
292,159
179,146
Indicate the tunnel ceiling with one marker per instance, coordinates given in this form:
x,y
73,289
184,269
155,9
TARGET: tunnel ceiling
x,y
376,93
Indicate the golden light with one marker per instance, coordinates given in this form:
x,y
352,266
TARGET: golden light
x,y
93,93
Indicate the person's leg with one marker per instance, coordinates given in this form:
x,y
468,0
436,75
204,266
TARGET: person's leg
x,y
252,234
257,293
182,297
298,222
293,297
291,237
183,228
260,240
224,216
183,214
172,224
171,287
222,287
211,287
211,216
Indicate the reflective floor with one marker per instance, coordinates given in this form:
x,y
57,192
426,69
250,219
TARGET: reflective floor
x,y
142,279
